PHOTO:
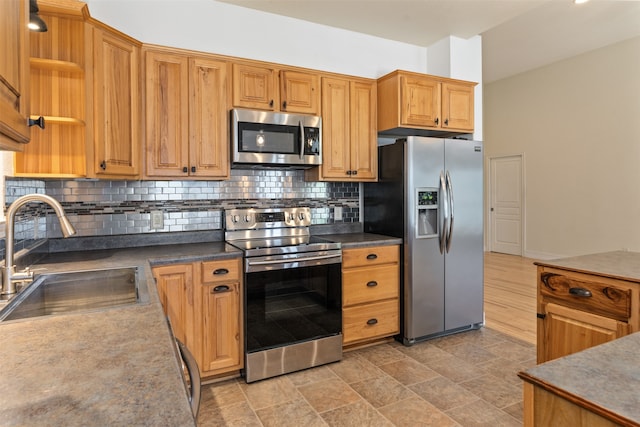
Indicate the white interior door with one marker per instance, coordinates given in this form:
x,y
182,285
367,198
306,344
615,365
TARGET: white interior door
x,y
506,204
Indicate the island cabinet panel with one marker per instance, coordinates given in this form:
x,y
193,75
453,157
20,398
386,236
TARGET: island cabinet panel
x,y
370,293
577,311
14,74
205,299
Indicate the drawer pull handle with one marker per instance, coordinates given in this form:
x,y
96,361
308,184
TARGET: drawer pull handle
x,y
372,283
580,292
372,256
221,288
372,321
220,271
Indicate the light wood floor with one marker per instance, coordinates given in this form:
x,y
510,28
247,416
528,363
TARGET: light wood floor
x,y
510,295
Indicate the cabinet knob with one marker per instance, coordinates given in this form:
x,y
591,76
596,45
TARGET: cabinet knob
x,y
193,169
185,170
284,105
372,256
271,103
437,120
372,283
103,165
580,292
372,321
220,271
446,122
36,122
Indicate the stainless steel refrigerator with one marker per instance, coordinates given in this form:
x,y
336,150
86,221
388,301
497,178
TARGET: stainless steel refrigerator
x,y
429,193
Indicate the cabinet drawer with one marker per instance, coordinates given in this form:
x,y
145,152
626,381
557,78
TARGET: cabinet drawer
x,y
370,256
375,320
221,271
582,294
362,285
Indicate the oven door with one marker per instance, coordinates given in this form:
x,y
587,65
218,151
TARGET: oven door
x,y
294,305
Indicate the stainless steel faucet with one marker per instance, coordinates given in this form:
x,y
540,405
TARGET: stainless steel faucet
x,y
9,274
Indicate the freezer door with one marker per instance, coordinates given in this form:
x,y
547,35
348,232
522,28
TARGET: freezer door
x,y
424,275
464,291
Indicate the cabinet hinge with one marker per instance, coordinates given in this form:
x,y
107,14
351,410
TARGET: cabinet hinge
x,y
541,315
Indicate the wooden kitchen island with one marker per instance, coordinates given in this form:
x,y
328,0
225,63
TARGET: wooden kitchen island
x,y
588,310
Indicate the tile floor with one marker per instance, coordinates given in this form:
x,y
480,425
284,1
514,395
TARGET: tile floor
x,y
467,379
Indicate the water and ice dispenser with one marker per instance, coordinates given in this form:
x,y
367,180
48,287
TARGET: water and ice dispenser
x,y
427,215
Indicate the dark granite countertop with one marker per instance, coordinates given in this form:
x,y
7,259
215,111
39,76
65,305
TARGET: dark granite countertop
x,y
361,240
618,264
604,379
114,366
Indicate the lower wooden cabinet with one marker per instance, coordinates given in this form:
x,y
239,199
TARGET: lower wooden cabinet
x,y
370,293
577,311
203,303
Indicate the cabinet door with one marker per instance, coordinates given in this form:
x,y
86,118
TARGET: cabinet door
x,y
299,92
335,128
14,74
175,288
254,87
208,119
167,109
116,106
420,101
457,106
221,326
567,331
364,136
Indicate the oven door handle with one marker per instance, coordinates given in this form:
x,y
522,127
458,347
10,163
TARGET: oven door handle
x,y
289,260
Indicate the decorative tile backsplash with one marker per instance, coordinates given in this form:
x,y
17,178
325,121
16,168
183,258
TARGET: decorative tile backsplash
x,y
107,208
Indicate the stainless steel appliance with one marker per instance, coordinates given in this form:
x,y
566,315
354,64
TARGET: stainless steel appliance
x,y
293,291
262,138
430,193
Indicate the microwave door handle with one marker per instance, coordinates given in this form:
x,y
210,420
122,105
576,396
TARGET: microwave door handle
x,y
301,139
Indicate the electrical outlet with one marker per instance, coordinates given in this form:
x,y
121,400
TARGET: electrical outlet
x,y
157,220
337,213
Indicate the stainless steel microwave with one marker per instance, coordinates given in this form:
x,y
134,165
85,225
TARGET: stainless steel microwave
x,y
264,138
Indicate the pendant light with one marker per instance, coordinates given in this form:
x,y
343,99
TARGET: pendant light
x,y
35,22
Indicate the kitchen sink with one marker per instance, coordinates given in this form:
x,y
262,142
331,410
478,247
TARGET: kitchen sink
x,y
72,292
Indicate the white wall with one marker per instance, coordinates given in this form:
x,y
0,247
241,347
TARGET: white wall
x,y
578,124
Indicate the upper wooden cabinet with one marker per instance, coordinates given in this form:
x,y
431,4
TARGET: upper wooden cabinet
x,y
117,132
424,102
14,74
349,138
187,130
267,88
58,94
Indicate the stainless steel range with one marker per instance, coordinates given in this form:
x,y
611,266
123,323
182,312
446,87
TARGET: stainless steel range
x,y
293,291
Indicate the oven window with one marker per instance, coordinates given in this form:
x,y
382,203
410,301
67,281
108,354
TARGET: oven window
x,y
292,305
261,138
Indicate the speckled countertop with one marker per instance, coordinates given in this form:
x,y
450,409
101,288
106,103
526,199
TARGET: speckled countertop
x,y
617,264
604,379
113,366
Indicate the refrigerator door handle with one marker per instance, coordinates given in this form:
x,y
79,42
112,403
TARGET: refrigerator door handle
x,y
443,225
450,201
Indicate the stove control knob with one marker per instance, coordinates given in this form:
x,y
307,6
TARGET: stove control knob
x,y
247,218
235,218
301,216
292,217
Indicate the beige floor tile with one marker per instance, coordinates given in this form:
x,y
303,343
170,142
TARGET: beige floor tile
x,y
382,391
506,370
497,392
358,414
472,353
381,354
416,412
408,371
516,351
454,368
239,415
329,394
273,391
308,376
296,413
223,393
481,414
354,368
443,393
516,411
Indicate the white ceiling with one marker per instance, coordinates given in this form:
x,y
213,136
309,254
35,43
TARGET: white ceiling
x,y
517,35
